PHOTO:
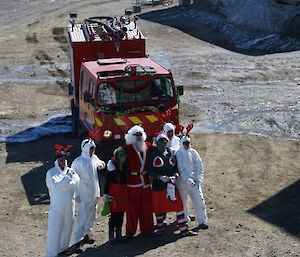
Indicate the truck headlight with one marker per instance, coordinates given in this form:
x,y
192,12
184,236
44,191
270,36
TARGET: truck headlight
x,y
107,133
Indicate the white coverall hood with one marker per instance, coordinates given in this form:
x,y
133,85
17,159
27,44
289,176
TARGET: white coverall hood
x,y
173,143
167,127
86,146
182,140
57,166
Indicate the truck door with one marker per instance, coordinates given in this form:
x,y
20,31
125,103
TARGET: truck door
x,y
85,107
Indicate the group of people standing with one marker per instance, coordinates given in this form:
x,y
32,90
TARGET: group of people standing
x,y
142,179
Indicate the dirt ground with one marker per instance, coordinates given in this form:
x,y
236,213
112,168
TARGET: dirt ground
x,y
251,182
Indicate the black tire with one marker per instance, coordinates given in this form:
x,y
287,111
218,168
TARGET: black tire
x,y
70,89
74,118
81,132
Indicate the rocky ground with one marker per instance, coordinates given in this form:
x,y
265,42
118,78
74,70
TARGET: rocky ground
x,y
251,182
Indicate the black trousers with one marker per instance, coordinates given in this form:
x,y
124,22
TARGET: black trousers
x,y
115,223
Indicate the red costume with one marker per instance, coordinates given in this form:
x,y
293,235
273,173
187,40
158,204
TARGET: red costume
x,y
139,191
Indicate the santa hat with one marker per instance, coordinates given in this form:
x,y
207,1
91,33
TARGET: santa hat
x,y
168,126
136,130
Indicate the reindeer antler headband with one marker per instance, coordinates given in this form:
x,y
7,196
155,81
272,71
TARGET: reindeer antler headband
x,y
62,150
181,128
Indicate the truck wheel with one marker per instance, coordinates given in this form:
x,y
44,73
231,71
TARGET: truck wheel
x,y
74,118
70,89
81,132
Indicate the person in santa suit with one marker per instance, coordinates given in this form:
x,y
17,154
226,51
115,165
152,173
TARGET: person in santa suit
x,y
174,141
139,208
165,197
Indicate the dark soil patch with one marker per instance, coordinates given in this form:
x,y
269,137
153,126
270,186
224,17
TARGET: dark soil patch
x,y
31,38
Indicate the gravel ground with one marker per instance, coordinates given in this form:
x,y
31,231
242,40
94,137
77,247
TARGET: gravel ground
x,y
251,182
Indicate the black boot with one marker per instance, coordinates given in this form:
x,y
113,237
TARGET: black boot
x,y
111,235
203,226
87,240
73,249
111,229
63,253
119,237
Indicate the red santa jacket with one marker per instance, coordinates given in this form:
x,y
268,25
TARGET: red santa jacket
x,y
137,166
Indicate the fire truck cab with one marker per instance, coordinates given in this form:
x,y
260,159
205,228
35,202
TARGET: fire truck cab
x,y
114,84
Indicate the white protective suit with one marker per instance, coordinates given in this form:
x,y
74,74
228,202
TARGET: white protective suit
x,y
173,143
191,171
88,191
61,185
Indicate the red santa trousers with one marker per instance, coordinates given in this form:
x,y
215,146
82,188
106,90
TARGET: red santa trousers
x,y
139,210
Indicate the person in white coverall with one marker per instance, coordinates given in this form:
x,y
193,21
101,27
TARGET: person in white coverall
x,y
88,192
191,171
61,182
174,141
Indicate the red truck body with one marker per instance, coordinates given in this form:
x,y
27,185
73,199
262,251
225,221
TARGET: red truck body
x,y
114,84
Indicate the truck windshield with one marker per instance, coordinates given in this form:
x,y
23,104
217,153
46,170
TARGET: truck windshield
x,y
155,89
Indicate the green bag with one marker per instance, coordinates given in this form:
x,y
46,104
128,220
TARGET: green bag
x,y
105,210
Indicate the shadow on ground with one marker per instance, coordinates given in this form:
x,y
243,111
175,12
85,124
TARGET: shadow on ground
x,y
212,27
37,145
42,151
137,246
282,210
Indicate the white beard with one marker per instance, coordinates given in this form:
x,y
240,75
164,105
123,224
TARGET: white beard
x,y
140,146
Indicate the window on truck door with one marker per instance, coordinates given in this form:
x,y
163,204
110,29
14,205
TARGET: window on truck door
x,y
163,88
83,81
92,87
106,95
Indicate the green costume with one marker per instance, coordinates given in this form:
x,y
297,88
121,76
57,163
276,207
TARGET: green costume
x,y
161,164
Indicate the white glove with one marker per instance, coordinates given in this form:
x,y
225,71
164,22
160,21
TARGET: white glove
x,y
101,165
110,166
164,179
75,179
70,173
171,192
172,179
190,182
107,198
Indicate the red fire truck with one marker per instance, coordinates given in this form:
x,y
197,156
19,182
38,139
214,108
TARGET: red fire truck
x,y
115,85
